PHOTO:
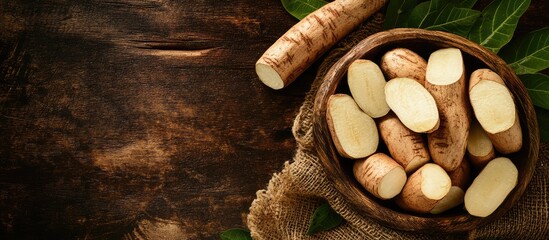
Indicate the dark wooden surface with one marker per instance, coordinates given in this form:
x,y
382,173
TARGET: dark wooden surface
x,y
141,119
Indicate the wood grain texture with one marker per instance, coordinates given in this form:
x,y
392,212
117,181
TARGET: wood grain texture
x,y
137,119
141,119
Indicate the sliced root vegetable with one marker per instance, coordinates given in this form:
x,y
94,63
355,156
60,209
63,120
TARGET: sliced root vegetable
x,y
412,104
492,102
453,199
354,133
460,181
479,147
367,84
402,62
424,188
491,187
445,80
380,175
495,110
405,146
302,44
508,141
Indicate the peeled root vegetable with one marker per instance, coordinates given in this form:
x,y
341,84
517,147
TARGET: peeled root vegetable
x,y
424,188
405,146
491,187
402,62
445,80
367,84
380,175
479,147
354,133
306,41
413,104
495,110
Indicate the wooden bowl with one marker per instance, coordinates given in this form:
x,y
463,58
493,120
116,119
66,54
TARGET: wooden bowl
x,y
423,42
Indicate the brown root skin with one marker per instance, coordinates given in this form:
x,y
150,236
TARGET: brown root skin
x,y
354,133
461,177
405,146
307,40
380,175
509,141
424,188
402,62
448,143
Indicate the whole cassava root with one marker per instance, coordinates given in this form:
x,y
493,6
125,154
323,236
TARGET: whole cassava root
x,y
354,133
491,187
367,84
413,104
380,175
445,80
405,146
302,44
402,62
495,109
424,188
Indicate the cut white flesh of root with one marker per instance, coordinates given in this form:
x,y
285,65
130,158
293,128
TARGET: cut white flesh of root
x,y
452,199
436,183
269,76
366,82
478,143
491,187
392,183
493,106
354,132
444,67
413,104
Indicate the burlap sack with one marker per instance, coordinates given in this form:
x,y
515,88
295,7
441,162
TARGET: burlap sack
x,y
283,210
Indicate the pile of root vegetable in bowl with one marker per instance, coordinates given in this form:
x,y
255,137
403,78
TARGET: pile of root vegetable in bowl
x,y
425,130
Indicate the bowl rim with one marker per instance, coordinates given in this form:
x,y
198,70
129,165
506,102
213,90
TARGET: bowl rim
x,y
325,149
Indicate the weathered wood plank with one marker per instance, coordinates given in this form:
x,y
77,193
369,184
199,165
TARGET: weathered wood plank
x,y
140,119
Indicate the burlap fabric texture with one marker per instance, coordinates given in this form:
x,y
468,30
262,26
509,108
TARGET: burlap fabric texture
x,y
283,210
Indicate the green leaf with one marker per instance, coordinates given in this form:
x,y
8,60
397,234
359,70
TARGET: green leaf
x,y
397,11
543,123
528,54
498,22
301,8
235,234
466,3
455,20
324,218
538,88
425,13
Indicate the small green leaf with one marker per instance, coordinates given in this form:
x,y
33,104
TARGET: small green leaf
x,y
396,12
425,13
543,123
324,218
528,54
538,88
455,20
301,8
235,234
497,23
